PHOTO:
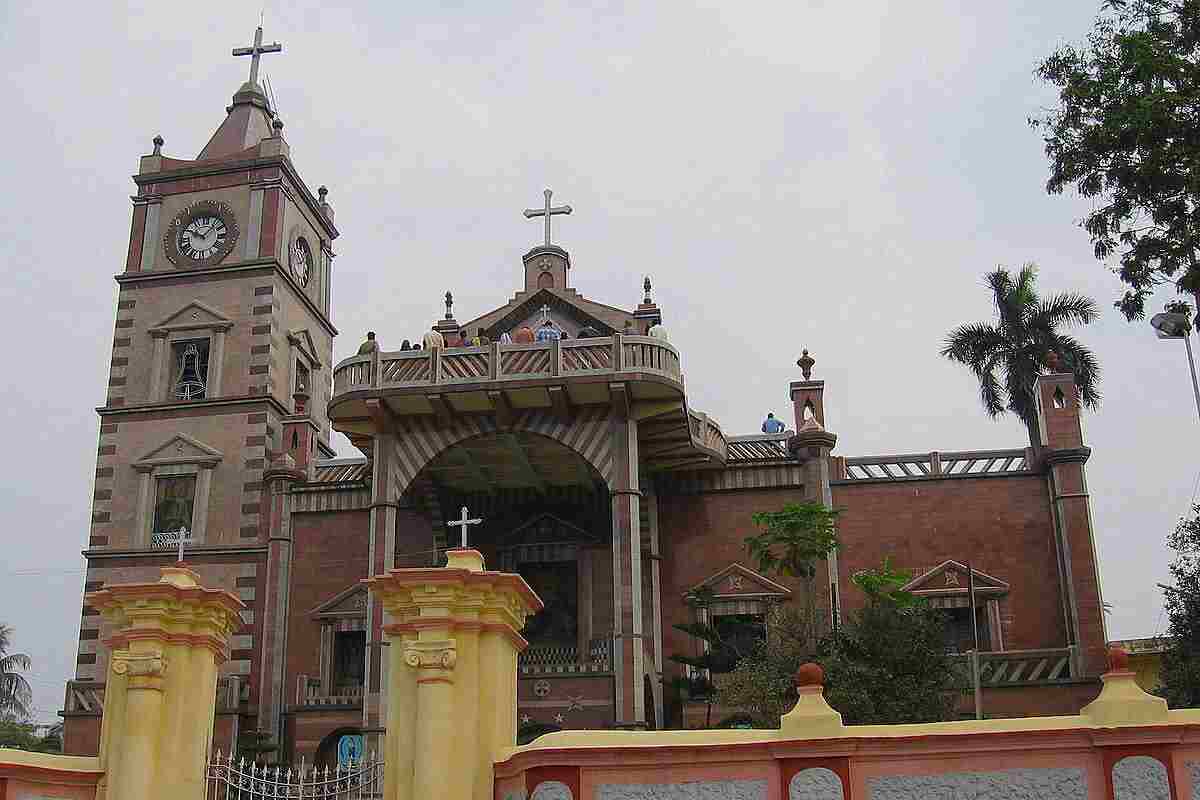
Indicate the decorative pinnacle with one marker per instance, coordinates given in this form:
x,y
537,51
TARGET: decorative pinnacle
x,y
158,143
321,192
646,286
805,363
278,126
449,303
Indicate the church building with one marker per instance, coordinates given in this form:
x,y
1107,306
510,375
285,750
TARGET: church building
x,y
554,432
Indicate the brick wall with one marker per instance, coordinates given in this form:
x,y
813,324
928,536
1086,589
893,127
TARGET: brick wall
x,y
1002,526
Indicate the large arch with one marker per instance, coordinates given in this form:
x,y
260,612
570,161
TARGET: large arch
x,y
416,442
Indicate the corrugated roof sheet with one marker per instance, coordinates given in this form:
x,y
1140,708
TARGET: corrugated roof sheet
x,y
758,448
340,470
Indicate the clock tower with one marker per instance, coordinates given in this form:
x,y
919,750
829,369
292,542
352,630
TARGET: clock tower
x,y
221,351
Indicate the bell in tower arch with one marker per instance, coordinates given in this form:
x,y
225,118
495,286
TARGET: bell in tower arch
x,y
192,380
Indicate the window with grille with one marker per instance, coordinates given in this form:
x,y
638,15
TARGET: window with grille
x,y
189,361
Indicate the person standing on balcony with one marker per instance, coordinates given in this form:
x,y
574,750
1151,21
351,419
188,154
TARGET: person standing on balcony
x,y
547,332
524,335
369,346
772,425
434,340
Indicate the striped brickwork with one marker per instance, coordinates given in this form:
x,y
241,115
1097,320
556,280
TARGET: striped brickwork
x,y
419,441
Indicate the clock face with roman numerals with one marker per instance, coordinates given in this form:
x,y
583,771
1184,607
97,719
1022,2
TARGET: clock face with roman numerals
x,y
201,235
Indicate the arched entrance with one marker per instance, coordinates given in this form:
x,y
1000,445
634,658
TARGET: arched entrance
x,y
546,514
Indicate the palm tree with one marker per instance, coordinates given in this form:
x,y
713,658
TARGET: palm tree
x,y
15,694
1008,356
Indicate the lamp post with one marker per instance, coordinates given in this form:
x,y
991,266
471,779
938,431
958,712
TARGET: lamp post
x,y
1172,325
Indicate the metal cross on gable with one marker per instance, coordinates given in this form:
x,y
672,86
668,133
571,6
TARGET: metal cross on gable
x,y
548,211
545,309
255,52
463,522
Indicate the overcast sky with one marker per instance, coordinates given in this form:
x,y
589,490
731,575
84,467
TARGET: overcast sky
x,y
829,175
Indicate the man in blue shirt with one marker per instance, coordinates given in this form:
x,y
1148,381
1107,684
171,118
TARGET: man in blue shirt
x,y
772,425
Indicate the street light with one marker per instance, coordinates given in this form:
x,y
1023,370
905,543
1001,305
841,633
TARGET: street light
x,y
1171,325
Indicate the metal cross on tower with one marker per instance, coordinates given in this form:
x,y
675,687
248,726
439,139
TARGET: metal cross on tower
x,y
463,523
547,212
255,52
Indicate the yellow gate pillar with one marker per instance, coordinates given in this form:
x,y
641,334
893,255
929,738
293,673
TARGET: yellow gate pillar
x,y
454,638
160,695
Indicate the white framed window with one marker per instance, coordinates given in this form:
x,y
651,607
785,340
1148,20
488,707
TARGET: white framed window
x,y
173,492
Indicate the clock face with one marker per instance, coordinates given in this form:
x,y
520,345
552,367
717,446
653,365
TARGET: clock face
x,y
203,237
201,234
301,259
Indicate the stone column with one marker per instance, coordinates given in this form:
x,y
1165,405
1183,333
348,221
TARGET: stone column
x,y
158,366
381,543
454,641
628,651
160,698
278,481
812,445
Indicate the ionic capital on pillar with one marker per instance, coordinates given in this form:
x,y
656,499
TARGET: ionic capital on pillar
x,y
433,660
143,670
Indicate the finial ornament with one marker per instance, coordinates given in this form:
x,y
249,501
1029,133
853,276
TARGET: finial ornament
x,y
277,124
158,143
646,286
805,363
255,52
321,192
449,303
548,211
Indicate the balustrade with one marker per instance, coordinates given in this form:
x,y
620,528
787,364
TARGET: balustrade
x,y
411,368
925,466
309,692
554,659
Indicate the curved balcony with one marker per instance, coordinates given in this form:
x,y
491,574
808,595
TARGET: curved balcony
x,y
508,362
508,378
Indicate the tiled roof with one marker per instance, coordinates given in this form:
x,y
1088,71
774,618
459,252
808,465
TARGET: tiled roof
x,y
340,470
770,448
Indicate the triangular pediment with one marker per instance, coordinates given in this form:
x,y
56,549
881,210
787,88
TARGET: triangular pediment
x,y
303,339
565,305
547,529
350,602
180,449
736,580
952,577
195,315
